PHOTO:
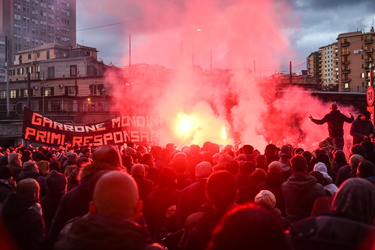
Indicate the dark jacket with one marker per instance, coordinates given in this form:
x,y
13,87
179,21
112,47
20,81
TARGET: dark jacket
x,y
332,232
344,173
50,202
361,128
155,210
191,200
335,120
74,203
145,186
102,232
299,193
24,223
5,189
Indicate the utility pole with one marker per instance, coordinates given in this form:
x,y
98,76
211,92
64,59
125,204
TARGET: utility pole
x,y
7,74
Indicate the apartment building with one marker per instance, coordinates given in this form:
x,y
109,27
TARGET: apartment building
x,y
328,66
355,60
312,63
27,24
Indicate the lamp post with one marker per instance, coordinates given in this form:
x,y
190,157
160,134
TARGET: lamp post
x,y
192,47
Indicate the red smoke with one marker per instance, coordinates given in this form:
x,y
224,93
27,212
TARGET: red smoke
x,y
249,37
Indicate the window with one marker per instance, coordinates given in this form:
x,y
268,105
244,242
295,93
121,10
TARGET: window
x,y
13,93
51,72
24,93
73,70
3,94
38,54
47,91
48,55
70,90
29,56
55,105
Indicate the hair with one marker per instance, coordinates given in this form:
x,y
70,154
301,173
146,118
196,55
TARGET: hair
x,y
203,170
221,189
265,198
275,167
43,167
12,157
249,226
248,149
299,163
29,166
116,195
28,188
365,169
358,149
138,170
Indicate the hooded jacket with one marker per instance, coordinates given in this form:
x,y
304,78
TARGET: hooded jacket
x,y
299,193
102,232
23,221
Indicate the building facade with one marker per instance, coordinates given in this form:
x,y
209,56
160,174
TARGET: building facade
x,y
328,66
27,24
356,60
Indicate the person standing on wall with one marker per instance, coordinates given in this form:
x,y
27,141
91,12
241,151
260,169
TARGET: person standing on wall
x,y
335,120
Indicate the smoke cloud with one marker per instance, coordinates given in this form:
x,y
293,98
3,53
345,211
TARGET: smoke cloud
x,y
209,84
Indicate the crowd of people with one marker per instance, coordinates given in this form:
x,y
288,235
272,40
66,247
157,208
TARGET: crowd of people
x,y
190,198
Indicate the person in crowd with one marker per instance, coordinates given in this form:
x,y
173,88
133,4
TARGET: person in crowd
x,y
44,168
6,183
366,170
274,180
328,182
300,191
71,159
271,152
73,175
56,187
221,193
160,206
22,215
149,163
193,196
338,160
111,220
145,185
350,170
267,199
31,170
179,164
14,162
76,201
335,120
362,128
249,226
348,226
370,152
244,182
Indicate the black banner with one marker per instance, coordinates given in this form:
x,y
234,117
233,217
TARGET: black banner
x,y
119,130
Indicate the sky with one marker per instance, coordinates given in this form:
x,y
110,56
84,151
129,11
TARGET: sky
x,y
307,25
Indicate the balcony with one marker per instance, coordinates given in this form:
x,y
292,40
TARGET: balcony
x,y
345,53
345,44
346,89
345,71
369,41
346,80
347,62
369,50
369,60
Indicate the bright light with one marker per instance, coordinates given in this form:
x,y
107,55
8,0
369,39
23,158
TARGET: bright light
x,y
224,134
184,125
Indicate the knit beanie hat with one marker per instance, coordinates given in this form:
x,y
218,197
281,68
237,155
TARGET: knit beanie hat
x,y
56,182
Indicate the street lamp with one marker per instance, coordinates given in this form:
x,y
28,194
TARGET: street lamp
x,y
192,48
